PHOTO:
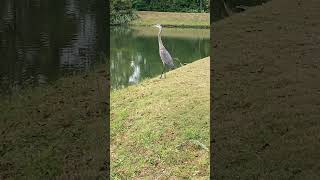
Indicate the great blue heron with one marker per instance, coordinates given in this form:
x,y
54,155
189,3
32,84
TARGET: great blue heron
x,y
164,54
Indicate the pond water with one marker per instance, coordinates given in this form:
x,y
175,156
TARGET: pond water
x,y
135,53
41,41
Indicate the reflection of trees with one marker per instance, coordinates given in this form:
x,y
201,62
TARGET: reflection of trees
x,y
39,37
188,50
120,54
136,57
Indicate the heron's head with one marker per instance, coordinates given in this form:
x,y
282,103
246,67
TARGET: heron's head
x,y
157,26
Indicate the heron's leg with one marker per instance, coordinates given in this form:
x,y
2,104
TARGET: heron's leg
x,y
162,71
165,72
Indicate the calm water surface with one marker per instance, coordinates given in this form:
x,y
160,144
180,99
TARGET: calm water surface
x,y
135,54
41,41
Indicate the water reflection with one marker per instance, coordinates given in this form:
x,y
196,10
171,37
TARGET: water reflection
x,y
135,54
41,41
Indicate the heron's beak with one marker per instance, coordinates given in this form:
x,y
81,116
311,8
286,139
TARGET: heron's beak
x,y
154,26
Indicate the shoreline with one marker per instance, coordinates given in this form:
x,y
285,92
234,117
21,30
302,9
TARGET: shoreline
x,y
174,26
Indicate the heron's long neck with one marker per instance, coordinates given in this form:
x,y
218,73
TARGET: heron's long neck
x,y
159,39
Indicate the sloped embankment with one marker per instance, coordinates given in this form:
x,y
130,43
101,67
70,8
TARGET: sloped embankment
x,y
160,128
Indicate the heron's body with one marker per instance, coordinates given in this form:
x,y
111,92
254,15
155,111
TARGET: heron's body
x,y
166,57
164,54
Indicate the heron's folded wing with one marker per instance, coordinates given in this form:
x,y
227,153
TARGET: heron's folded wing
x,y
166,57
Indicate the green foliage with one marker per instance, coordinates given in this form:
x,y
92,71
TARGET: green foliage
x,y
171,5
121,12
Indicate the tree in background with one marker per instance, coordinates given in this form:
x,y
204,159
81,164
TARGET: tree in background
x,y
121,12
171,5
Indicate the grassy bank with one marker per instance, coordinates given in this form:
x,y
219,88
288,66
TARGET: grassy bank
x,y
172,19
266,92
56,131
160,128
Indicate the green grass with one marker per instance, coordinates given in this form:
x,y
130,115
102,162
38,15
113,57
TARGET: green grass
x,y
172,19
55,131
160,128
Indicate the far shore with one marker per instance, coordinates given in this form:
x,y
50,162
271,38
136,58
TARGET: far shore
x,y
172,19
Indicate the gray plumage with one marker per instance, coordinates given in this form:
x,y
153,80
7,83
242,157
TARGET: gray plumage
x,y
164,54
166,57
